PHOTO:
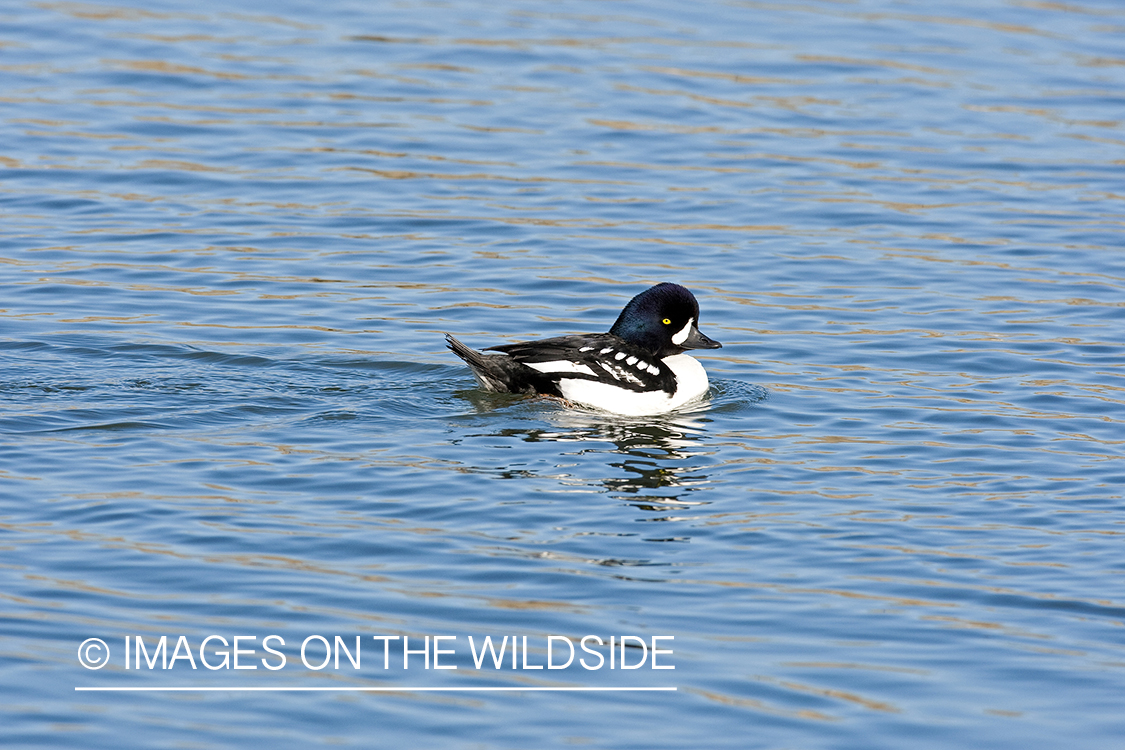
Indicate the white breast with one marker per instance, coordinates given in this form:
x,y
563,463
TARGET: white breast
x,y
691,379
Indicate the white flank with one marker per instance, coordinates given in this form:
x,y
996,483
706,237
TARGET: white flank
x,y
681,335
690,377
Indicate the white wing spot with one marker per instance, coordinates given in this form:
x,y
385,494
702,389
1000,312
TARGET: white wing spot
x,y
561,365
654,370
642,365
619,355
586,349
622,374
631,361
607,350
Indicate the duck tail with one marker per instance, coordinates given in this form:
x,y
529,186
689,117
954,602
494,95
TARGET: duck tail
x,y
501,373
472,357
489,372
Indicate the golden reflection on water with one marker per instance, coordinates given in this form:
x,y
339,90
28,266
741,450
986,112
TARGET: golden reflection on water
x,y
840,695
754,704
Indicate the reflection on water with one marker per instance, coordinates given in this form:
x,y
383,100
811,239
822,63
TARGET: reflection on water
x,y
653,456
231,240
648,456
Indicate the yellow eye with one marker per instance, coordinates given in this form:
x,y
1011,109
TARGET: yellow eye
x,y
667,322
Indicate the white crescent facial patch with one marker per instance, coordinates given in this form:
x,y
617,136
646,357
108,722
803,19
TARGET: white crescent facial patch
x,y
681,335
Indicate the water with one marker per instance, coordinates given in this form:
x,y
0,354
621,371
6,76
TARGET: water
x,y
231,241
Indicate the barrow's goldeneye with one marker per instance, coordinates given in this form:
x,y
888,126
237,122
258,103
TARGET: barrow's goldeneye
x,y
638,368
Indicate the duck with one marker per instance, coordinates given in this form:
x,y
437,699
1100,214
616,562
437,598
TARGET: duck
x,y
638,368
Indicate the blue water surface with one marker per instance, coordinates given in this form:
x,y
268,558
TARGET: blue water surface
x,y
231,238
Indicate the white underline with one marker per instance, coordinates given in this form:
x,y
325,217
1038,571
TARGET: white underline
x,y
255,689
